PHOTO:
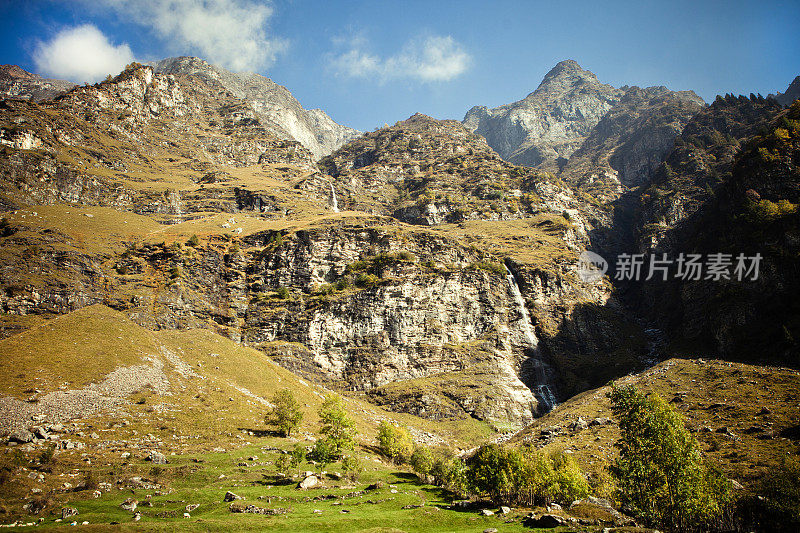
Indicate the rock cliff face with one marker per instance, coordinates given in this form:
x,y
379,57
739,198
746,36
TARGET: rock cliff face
x,y
629,142
749,206
274,105
413,259
20,84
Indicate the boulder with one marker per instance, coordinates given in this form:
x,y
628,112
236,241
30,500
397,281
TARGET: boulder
x,y
504,509
309,482
229,497
22,436
67,512
157,458
129,505
544,521
487,512
579,424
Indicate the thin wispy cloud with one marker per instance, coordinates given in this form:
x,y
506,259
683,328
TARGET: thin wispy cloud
x,y
230,33
80,54
428,59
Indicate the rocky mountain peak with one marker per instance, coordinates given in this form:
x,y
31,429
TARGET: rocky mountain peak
x,y
791,94
18,83
277,109
567,71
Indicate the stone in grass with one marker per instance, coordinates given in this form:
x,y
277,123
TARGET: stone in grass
x,y
157,458
309,482
487,512
229,497
490,530
377,485
544,521
129,504
504,509
66,512
191,507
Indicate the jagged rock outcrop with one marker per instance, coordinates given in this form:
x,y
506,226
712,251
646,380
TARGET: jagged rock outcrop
x,y
548,125
791,94
20,84
699,162
595,137
274,105
630,141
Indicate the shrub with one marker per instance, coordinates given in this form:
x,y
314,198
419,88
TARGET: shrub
x,y
47,455
285,412
282,293
352,467
297,455
366,280
323,452
193,241
661,475
395,442
422,461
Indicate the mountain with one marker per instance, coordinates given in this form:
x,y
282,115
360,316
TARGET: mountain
x,y
274,105
600,139
746,203
412,253
791,94
21,84
630,141
548,125
170,259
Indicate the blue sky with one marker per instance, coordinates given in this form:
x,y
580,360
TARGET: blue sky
x,y
370,62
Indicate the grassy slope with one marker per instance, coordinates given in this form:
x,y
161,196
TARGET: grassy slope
x,y
709,394
199,415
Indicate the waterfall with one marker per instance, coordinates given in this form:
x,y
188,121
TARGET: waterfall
x,y
334,200
542,390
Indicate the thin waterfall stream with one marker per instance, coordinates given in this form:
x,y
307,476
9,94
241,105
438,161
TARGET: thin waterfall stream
x,y
542,390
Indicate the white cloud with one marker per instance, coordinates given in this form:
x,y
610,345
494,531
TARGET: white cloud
x,y
230,33
81,54
433,58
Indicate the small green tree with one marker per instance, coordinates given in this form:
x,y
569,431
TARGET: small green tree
x,y
193,241
285,412
338,429
297,455
422,462
352,467
660,472
395,442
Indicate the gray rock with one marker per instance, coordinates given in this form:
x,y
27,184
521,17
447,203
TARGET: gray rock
x,y
22,436
579,424
504,509
309,482
67,512
487,512
157,458
229,497
130,504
